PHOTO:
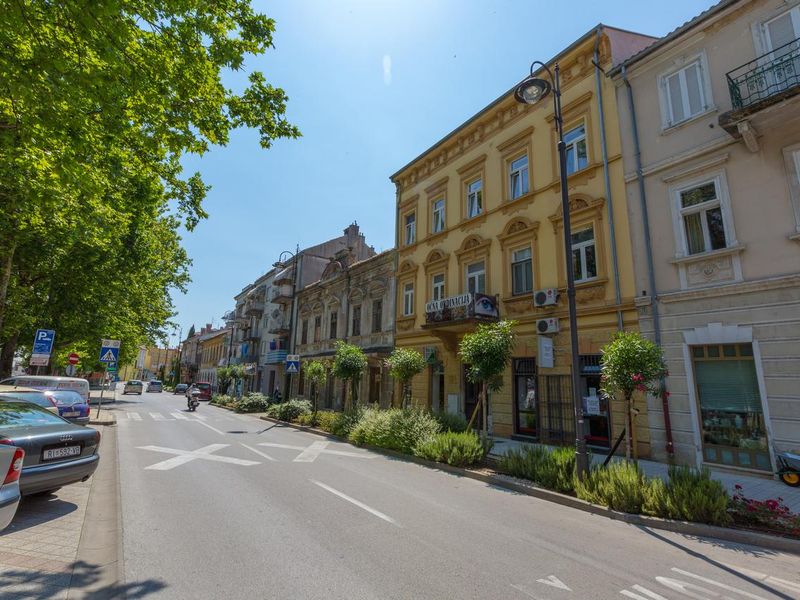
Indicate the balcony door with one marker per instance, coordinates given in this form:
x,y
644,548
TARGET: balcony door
x,y
780,37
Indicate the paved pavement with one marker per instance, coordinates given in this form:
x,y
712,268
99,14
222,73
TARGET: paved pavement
x,y
218,505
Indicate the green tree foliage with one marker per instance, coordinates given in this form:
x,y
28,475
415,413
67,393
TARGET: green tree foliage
x,y
98,105
403,364
349,364
631,363
487,352
226,376
316,372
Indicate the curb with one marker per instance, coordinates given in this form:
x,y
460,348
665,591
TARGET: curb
x,y
107,419
739,536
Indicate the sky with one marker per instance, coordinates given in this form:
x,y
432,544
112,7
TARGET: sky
x,y
371,85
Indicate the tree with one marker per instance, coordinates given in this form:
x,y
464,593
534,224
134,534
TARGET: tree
x,y
631,363
486,352
226,376
403,364
100,103
349,364
316,372
191,332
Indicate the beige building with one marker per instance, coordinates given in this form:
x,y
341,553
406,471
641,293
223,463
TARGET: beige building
x,y
352,301
715,218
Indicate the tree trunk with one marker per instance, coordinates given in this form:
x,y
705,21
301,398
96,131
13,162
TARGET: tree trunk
x,y
484,407
6,265
354,393
629,427
7,355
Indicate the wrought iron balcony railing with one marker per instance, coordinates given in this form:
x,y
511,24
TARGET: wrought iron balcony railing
x,y
769,75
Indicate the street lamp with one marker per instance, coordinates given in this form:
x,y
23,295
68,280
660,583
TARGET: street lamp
x,y
281,264
531,91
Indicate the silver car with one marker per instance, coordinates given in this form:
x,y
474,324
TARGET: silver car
x,y
134,386
11,459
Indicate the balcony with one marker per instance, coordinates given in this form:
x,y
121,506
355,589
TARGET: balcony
x,y
763,82
281,294
278,327
254,308
274,357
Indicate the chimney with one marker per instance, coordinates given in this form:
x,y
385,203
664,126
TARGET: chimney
x,y
352,234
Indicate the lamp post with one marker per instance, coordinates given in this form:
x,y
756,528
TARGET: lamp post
x,y
294,256
532,90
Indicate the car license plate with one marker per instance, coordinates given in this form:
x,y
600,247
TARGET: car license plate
x,y
72,413
54,453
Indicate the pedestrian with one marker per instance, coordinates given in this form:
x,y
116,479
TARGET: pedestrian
x,y
276,397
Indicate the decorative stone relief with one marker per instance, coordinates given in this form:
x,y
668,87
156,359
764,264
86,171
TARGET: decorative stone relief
x,y
712,270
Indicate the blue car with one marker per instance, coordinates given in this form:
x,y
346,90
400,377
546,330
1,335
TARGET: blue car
x,y
71,405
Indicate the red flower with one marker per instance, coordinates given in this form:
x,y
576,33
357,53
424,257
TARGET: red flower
x,y
737,486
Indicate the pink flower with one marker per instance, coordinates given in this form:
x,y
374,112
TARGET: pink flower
x,y
737,487
641,388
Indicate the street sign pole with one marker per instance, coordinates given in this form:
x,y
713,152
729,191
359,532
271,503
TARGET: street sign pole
x,y
102,387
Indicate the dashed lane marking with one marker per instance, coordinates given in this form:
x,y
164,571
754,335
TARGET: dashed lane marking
x,y
358,503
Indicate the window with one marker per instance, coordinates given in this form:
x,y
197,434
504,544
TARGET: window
x,y
584,258
377,315
731,414
356,328
411,228
317,328
521,272
684,93
408,299
304,332
474,198
577,156
334,325
438,216
476,278
437,286
701,217
518,177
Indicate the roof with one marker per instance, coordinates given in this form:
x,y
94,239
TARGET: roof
x,y
675,33
213,334
623,38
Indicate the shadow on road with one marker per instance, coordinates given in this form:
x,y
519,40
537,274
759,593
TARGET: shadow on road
x,y
35,510
83,580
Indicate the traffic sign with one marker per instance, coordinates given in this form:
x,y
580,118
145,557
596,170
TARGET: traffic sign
x,y
109,351
70,370
73,358
292,363
39,360
111,367
43,341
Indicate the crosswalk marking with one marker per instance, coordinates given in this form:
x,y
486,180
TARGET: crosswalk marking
x,y
180,416
134,416
159,417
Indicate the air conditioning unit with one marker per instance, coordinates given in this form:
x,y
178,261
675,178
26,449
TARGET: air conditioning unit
x,y
547,297
544,326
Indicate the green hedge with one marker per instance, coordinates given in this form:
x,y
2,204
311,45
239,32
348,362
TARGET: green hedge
x,y
289,411
552,469
252,403
459,449
395,429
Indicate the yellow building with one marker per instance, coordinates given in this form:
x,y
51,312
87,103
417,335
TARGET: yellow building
x,y
149,364
215,348
480,231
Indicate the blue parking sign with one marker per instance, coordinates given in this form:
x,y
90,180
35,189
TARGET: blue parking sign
x,y
43,341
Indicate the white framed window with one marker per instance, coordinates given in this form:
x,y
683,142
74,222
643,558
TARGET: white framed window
x,y
411,228
438,216
518,177
474,198
437,286
577,154
521,272
685,92
584,254
476,278
408,299
702,222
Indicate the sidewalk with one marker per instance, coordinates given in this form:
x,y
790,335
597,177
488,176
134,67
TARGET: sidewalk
x,y
757,488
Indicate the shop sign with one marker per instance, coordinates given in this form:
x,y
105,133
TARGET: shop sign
x,y
463,306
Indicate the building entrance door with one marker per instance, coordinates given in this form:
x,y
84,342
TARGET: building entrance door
x,y
437,388
471,398
375,385
526,418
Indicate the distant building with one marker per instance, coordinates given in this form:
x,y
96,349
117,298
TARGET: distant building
x,y
213,346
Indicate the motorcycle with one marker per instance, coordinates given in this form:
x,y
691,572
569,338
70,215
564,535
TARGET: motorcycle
x,y
789,468
193,402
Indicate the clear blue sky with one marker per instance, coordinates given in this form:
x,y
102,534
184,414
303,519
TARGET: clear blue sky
x,y
371,84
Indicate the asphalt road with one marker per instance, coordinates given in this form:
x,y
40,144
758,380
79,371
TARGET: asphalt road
x,y
217,505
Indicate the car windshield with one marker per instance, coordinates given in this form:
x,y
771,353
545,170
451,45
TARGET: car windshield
x,y
65,397
203,386
155,382
22,414
134,383
38,398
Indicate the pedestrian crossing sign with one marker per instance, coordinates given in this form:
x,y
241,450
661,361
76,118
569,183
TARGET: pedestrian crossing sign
x,y
293,364
109,351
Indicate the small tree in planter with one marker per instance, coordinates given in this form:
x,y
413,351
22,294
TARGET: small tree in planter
x,y
487,352
631,363
403,364
229,375
316,373
349,364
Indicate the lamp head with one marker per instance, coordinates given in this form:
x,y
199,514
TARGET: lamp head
x,y
532,90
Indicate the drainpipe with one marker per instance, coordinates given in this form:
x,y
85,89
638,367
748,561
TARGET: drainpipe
x,y
609,201
651,277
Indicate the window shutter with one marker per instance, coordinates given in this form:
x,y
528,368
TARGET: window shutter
x,y
728,385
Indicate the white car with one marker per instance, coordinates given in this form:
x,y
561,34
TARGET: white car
x,y
11,459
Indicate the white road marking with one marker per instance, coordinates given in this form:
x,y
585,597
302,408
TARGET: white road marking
x,y
184,456
519,588
311,453
724,586
359,504
260,453
135,416
647,594
285,446
159,417
555,582
795,587
211,427
179,416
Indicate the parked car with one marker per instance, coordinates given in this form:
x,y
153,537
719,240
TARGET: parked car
x,y
11,459
134,386
46,382
180,388
203,388
12,393
71,406
155,386
57,452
